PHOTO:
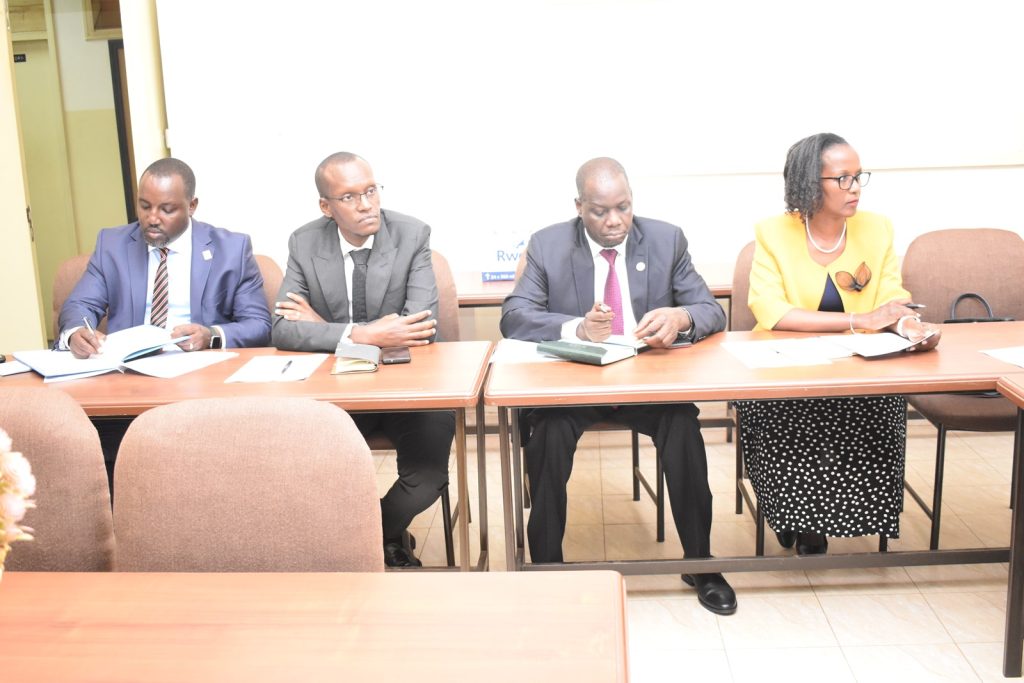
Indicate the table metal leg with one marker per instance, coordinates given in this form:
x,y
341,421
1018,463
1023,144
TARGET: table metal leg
x,y
518,487
460,462
1013,645
481,482
506,491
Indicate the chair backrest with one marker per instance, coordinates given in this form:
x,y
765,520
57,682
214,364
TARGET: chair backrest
x,y
72,524
272,278
69,272
941,265
447,299
740,315
246,484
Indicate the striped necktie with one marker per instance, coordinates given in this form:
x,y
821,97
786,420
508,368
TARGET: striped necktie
x,y
158,312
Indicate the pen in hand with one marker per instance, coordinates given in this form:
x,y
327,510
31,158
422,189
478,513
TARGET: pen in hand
x,y
286,366
915,305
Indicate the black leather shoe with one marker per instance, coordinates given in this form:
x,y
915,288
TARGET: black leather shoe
x,y
786,538
713,592
400,554
811,543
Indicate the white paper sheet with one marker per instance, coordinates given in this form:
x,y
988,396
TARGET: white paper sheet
x,y
517,351
770,353
1011,354
13,367
169,365
278,368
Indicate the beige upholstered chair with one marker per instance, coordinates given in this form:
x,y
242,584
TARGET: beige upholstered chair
x,y
72,523
68,274
246,484
937,268
272,278
447,330
741,318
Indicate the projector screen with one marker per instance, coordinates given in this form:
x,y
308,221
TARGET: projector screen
x,y
476,115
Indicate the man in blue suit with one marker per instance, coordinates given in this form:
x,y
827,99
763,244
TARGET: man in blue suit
x,y
608,272
166,270
214,290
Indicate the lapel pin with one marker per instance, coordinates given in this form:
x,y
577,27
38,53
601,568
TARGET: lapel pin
x,y
641,267
207,254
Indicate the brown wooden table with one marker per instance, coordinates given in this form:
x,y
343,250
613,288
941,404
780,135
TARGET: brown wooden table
x,y
442,376
425,626
707,372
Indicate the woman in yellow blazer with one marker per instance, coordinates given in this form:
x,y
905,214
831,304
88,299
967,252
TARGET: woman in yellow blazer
x,y
828,467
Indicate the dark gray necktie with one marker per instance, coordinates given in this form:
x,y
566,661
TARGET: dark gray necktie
x,y
359,259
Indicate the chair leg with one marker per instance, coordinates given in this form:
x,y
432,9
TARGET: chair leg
x,y
940,461
636,464
660,504
449,541
759,532
1013,471
739,464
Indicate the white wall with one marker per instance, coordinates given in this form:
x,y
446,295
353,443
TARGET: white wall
x,y
476,115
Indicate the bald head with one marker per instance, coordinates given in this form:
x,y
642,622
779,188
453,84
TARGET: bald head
x,y
336,159
601,169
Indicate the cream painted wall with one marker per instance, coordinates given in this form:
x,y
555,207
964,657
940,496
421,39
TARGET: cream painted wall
x,y
145,81
19,286
94,158
476,116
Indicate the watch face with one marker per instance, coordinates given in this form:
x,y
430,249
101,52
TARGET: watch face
x,y
215,342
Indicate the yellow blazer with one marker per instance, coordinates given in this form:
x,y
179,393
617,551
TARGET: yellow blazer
x,y
784,276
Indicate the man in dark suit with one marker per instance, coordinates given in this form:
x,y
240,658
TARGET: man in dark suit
x,y
608,272
166,270
360,274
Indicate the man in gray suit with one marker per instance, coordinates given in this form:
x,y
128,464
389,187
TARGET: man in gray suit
x,y
360,274
608,272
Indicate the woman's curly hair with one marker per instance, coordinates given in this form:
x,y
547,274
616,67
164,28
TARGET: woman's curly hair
x,y
803,173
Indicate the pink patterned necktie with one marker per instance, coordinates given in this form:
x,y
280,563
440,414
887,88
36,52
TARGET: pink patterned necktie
x,y
612,293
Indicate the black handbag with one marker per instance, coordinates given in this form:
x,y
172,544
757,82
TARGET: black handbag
x,y
990,318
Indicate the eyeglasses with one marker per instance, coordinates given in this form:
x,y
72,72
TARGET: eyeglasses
x,y
846,181
855,282
371,193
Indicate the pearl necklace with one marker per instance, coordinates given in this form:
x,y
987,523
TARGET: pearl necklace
x,y
842,235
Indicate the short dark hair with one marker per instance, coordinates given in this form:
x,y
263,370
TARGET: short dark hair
x,y
336,158
601,166
802,173
169,167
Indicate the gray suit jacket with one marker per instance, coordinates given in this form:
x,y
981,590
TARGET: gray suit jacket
x,y
399,279
558,283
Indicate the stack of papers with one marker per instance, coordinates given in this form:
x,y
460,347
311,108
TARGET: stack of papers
x,y
119,348
783,353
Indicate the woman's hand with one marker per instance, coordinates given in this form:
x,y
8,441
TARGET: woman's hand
x,y
915,330
883,317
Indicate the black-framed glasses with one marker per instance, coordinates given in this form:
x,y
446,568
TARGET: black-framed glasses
x,y
846,181
371,193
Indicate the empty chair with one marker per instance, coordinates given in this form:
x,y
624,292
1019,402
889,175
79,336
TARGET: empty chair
x,y
938,267
68,274
72,523
741,318
246,484
272,278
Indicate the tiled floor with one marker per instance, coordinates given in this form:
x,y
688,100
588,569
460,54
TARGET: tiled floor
x,y
899,624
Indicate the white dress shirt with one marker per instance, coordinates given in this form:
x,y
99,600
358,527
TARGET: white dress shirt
x,y
179,279
600,277
350,266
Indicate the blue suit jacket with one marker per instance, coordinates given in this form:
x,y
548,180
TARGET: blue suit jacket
x,y
558,283
226,290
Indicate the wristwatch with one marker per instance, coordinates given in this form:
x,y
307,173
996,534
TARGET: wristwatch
x,y
216,340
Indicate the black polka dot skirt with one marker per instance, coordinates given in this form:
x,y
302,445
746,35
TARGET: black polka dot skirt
x,y
833,466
